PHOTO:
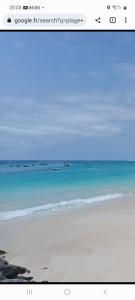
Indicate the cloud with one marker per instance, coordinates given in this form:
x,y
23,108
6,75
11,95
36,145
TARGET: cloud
x,y
123,39
63,39
70,42
86,75
64,117
19,44
126,69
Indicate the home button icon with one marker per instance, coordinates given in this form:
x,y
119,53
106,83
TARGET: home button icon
x,y
67,292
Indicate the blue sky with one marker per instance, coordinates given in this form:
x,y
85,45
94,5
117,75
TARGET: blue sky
x,y
67,95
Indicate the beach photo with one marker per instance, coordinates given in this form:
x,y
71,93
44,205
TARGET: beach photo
x,y
67,157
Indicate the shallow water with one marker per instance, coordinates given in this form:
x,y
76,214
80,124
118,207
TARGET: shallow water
x,y
29,187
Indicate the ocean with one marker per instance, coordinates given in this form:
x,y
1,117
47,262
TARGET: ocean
x,y
49,187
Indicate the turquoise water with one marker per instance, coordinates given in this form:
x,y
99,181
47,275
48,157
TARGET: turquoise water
x,y
29,187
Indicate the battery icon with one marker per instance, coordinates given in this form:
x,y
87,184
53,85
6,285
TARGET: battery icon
x,y
25,7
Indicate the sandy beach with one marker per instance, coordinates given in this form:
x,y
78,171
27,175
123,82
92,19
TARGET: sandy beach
x,y
93,244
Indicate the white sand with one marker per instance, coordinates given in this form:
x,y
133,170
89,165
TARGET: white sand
x,y
97,244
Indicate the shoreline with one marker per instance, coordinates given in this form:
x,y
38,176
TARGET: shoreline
x,y
90,244
54,208
61,208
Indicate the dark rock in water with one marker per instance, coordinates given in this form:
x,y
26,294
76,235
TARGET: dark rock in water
x,y
18,280
12,271
2,277
2,252
15,280
45,268
66,165
25,166
25,278
3,263
9,273
18,166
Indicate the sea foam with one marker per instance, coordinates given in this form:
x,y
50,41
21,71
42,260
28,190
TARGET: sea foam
x,y
51,208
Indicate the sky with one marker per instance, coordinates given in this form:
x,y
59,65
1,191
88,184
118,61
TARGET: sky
x,y
67,95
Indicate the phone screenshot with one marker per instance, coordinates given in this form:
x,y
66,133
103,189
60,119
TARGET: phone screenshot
x,y
67,150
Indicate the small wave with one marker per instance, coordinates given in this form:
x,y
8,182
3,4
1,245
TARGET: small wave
x,y
55,207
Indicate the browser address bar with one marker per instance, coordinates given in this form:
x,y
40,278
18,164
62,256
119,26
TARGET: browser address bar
x,y
45,20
